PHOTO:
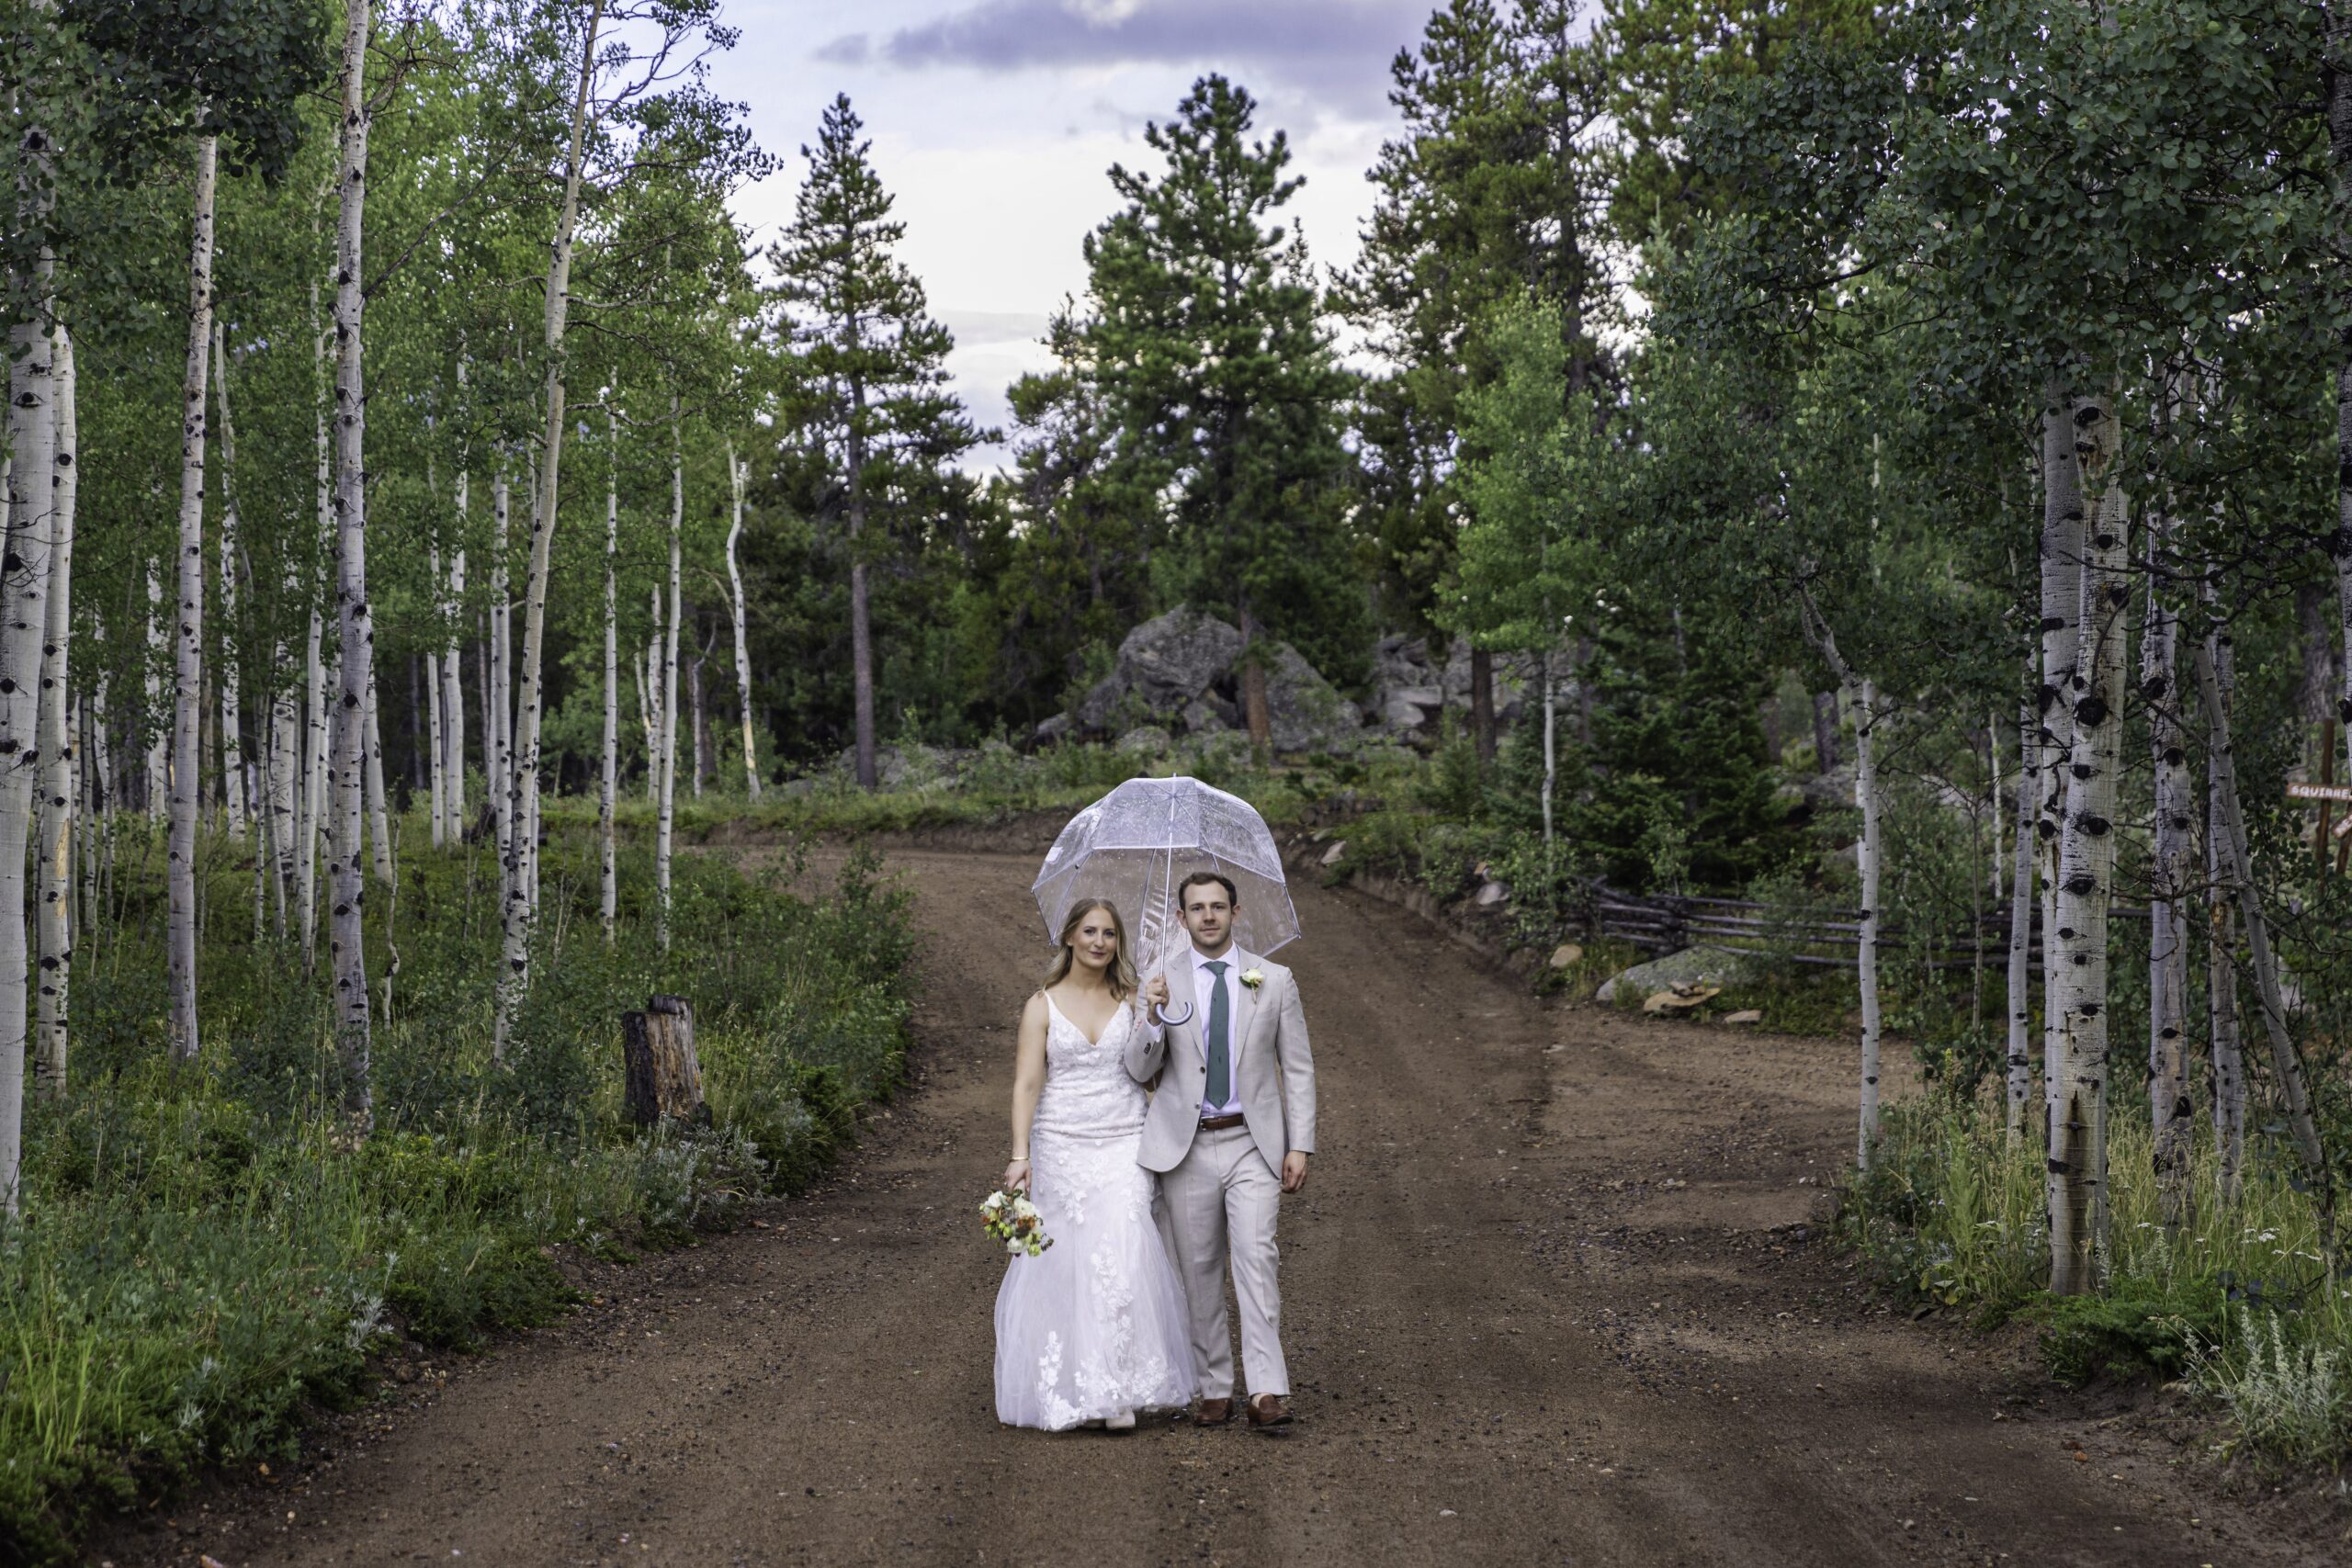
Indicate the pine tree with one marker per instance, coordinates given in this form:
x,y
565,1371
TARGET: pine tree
x,y
1207,337
872,364
1488,193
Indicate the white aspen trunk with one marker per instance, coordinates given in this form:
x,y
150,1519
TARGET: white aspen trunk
x,y
644,708
650,694
89,756
665,808
188,663
284,773
2076,1091
30,490
232,756
1866,795
312,800
380,817
2171,1111
489,722
2020,1037
609,778
446,668
159,736
700,709
2285,1067
448,672
499,715
1866,861
739,478
435,752
311,796
522,910
2062,595
2221,965
59,759
355,618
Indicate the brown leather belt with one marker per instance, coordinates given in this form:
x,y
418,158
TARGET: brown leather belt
x,y
1218,1124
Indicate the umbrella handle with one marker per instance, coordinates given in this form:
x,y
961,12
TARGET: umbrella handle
x,y
1160,1016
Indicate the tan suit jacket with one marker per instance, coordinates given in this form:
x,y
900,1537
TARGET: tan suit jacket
x,y
1273,1068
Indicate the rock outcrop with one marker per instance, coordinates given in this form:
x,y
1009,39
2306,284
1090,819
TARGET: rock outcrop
x,y
1164,665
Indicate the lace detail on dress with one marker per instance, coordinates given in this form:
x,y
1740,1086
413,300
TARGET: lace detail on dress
x,y
1097,1325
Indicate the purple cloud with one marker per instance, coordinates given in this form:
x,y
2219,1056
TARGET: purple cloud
x,y
1336,51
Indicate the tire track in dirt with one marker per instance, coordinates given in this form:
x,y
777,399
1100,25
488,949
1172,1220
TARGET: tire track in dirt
x,y
1536,1308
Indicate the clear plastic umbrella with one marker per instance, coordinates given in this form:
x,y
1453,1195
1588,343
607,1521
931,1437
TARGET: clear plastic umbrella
x,y
1138,843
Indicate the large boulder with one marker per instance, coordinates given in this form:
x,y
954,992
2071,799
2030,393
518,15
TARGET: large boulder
x,y
1163,665
1304,712
1697,966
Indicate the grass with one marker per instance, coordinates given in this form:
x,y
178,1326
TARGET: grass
x,y
2237,1305
207,1255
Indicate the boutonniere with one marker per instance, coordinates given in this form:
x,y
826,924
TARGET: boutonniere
x,y
1254,978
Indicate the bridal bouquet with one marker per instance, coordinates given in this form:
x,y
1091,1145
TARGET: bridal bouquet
x,y
1010,1218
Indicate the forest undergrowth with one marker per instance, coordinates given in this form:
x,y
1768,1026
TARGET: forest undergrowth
x,y
207,1255
2233,1307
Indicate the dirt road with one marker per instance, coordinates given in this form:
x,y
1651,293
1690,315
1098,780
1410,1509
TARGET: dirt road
x,y
1537,1309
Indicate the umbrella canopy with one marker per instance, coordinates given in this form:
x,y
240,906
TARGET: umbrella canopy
x,y
1133,847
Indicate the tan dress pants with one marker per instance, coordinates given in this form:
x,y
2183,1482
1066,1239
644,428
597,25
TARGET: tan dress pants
x,y
1220,1204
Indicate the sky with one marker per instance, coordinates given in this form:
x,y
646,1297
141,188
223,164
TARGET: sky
x,y
993,123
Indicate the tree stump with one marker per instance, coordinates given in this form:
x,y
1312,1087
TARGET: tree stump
x,y
662,1078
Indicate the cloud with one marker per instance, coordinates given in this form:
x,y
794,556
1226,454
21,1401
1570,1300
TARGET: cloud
x,y
850,48
1334,51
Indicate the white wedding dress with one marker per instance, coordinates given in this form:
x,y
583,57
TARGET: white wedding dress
x,y
1096,1323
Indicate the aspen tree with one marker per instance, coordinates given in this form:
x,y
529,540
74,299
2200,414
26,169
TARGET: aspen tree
x,y
59,757
701,711
2061,593
519,912
2172,1115
448,670
608,775
379,826
24,617
2285,1067
1867,716
435,748
158,744
2020,974
188,663
2220,963
232,758
355,615
2076,1089
666,761
498,708
739,477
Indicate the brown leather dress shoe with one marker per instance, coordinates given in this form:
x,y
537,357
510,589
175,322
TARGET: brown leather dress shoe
x,y
1268,1410
1213,1413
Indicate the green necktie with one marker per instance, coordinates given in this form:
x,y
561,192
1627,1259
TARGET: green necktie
x,y
1220,1055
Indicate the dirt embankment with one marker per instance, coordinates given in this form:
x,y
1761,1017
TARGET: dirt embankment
x,y
1553,1295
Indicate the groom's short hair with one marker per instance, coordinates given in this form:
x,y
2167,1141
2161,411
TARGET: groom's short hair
x,y
1232,897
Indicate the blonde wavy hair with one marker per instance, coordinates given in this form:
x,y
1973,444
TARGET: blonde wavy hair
x,y
1122,967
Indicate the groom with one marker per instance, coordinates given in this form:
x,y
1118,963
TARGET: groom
x,y
1236,1106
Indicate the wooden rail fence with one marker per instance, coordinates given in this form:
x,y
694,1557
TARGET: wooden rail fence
x,y
1668,923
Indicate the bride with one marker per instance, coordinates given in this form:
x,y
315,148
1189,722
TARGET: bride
x,y
1094,1328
